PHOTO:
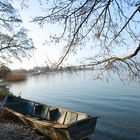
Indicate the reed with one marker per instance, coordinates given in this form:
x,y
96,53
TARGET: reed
x,y
15,76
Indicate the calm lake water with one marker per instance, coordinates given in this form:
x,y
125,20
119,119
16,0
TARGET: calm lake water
x,y
116,104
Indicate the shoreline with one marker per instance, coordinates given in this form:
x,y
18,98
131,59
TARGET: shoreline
x,y
10,130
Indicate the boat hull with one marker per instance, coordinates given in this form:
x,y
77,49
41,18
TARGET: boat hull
x,y
77,130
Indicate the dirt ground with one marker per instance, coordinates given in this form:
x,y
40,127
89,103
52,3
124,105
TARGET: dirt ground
x,y
9,130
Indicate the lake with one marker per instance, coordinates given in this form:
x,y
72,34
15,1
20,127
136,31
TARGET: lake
x,y
116,104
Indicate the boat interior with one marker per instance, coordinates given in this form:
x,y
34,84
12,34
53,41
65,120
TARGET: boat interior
x,y
43,111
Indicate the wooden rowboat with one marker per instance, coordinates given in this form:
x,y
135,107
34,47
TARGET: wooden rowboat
x,y
55,123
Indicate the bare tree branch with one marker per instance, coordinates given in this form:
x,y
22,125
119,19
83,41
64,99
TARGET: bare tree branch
x,y
106,24
16,46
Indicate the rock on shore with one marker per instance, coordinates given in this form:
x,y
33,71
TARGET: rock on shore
x,y
11,131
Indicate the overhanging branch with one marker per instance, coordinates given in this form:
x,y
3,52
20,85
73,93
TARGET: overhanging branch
x,y
112,60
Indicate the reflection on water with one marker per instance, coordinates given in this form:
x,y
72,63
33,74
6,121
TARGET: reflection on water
x,y
116,104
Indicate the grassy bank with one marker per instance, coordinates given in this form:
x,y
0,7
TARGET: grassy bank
x,y
3,94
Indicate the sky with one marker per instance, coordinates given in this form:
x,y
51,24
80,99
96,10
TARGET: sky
x,y
39,35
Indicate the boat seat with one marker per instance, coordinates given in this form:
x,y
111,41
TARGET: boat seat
x,y
41,111
45,112
52,114
70,117
66,117
61,116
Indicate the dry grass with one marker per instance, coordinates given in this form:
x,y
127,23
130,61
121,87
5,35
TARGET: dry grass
x,y
15,76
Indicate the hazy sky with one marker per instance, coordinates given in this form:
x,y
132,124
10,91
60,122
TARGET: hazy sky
x,y
39,35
